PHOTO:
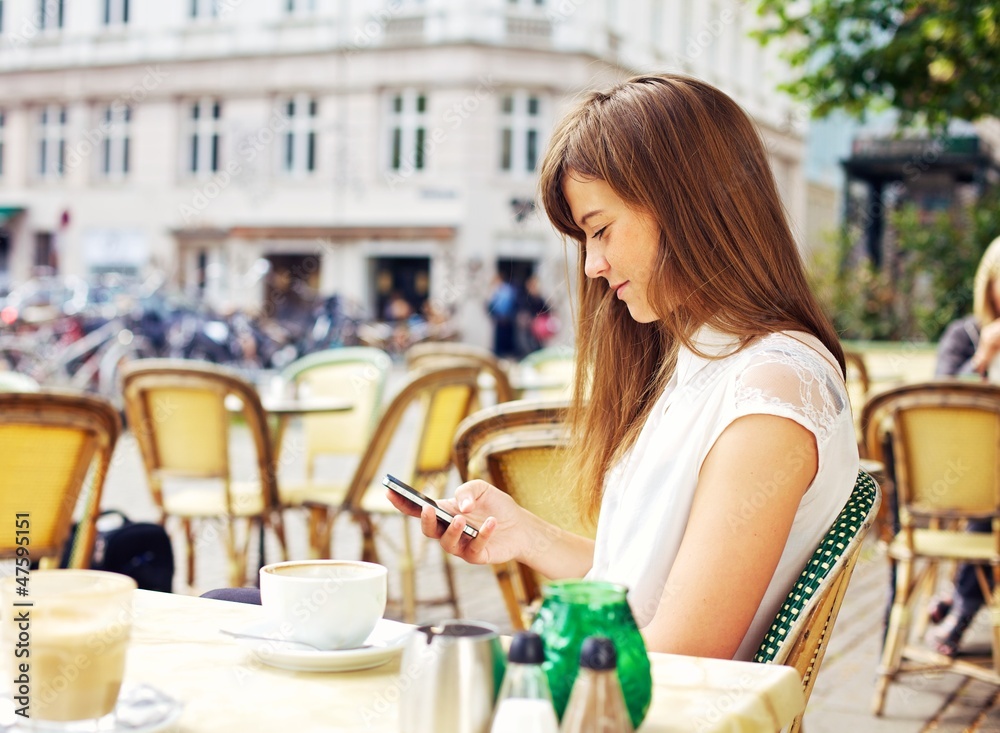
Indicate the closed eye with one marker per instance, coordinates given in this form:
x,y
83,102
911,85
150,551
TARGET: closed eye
x,y
600,233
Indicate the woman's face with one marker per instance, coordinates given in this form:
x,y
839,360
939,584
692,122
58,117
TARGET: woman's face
x,y
622,243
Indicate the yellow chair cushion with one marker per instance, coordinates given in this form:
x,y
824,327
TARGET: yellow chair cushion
x,y
210,501
333,495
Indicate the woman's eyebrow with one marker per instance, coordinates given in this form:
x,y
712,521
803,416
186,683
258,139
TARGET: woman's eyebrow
x,y
586,216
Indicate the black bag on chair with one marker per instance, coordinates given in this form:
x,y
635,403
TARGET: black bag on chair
x,y
140,550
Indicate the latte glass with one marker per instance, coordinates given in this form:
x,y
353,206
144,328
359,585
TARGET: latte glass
x,y
64,643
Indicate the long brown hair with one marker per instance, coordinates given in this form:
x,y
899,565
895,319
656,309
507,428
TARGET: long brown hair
x,y
682,151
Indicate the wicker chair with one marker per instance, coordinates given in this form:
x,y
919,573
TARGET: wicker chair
x,y
519,447
358,373
54,447
801,630
435,353
858,386
944,437
547,373
443,397
177,411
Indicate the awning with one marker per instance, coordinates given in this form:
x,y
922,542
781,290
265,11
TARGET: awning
x,y
6,212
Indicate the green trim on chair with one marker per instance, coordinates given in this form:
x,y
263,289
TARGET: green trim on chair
x,y
854,519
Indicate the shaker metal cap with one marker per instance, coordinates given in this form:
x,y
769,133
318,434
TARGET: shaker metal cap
x,y
526,648
598,652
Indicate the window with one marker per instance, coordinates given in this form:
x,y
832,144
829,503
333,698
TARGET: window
x,y
115,120
50,14
52,141
299,7
45,251
520,114
115,12
407,130
204,124
298,150
1,16
205,8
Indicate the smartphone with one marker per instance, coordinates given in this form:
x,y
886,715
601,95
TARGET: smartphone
x,y
394,484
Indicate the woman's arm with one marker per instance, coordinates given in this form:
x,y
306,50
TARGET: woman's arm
x,y
507,531
955,350
748,491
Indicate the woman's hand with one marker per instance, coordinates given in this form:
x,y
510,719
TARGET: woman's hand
x,y
484,506
506,532
989,346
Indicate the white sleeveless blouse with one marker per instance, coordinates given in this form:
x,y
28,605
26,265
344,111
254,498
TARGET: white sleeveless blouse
x,y
648,495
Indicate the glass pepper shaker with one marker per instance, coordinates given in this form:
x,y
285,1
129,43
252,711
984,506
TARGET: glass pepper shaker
x,y
596,704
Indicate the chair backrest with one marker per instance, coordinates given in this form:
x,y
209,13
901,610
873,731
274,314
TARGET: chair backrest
x,y
443,397
520,447
944,436
435,353
54,446
356,373
858,386
554,367
799,635
177,410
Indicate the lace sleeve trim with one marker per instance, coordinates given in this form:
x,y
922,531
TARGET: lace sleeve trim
x,y
784,374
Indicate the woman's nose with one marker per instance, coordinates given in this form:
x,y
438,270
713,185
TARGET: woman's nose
x,y
595,265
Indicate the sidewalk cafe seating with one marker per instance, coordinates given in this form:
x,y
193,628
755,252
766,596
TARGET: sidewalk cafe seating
x,y
177,411
433,353
441,397
55,450
945,437
355,373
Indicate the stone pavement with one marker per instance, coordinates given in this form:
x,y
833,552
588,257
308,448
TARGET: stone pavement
x,y
840,701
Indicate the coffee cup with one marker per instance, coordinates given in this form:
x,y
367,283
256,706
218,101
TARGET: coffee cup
x,y
329,604
73,628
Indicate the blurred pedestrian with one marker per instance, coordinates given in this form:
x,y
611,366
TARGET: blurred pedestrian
x,y
502,308
532,332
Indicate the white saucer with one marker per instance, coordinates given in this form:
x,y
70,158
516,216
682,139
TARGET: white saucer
x,y
384,643
140,709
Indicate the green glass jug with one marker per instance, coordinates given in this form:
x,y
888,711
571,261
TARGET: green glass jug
x,y
571,611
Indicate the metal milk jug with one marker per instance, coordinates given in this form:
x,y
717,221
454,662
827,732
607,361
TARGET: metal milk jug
x,y
449,677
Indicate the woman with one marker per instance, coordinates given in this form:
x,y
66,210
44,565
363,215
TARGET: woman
x,y
716,441
969,344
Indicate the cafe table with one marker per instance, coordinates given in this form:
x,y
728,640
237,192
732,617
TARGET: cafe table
x,y
284,408
177,648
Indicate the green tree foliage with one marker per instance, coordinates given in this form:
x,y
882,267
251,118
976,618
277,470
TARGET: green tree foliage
x,y
932,60
926,285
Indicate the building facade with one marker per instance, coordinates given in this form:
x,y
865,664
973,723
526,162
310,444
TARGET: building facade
x,y
262,151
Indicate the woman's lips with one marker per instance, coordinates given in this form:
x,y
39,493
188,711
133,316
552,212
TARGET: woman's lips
x,y
619,288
